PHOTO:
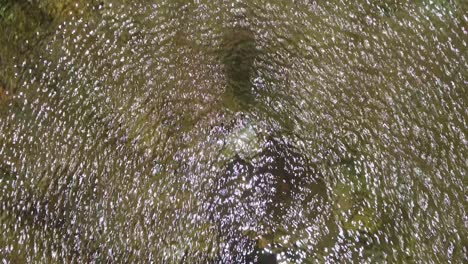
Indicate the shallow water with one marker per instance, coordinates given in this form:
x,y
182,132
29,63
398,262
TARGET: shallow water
x,y
236,132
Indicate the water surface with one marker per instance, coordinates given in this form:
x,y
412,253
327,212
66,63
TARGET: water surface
x,y
234,132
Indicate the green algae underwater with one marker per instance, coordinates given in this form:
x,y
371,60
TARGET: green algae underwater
x,y
233,132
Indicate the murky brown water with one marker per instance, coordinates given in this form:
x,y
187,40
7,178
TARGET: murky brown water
x,y
237,132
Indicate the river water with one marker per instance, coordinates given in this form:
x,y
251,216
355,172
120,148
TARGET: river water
x,y
239,132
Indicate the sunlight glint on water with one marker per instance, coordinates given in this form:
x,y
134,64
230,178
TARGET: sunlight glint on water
x,y
231,132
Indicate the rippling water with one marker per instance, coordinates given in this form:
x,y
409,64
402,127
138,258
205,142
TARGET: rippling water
x,y
237,132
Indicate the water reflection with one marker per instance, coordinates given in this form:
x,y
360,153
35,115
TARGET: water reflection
x,y
260,132
260,200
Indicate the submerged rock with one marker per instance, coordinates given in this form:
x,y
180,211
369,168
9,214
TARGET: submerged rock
x,y
238,52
